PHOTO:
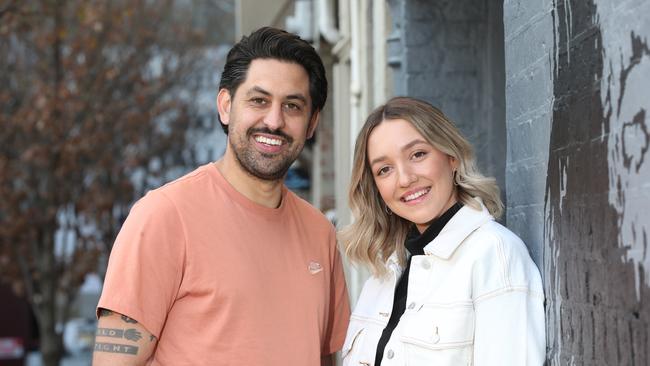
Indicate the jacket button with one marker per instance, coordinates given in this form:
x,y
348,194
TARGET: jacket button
x,y
390,354
426,264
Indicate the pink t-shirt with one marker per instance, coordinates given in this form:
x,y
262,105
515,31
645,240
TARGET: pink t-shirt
x,y
221,280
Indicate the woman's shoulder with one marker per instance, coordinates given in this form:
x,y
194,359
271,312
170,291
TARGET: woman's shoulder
x,y
500,252
492,235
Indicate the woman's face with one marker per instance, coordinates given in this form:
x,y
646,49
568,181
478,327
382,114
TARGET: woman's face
x,y
414,179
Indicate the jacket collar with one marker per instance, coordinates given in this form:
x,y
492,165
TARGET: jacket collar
x,y
457,229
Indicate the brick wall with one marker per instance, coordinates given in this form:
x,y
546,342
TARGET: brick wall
x,y
529,43
577,76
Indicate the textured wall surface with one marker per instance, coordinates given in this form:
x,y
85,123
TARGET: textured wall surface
x,y
577,76
528,32
450,53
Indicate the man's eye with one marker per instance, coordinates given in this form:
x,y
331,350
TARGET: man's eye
x,y
292,106
258,100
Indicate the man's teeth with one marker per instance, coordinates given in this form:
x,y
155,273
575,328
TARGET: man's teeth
x,y
268,141
415,195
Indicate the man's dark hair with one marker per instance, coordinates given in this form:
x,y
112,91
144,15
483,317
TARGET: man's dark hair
x,y
273,43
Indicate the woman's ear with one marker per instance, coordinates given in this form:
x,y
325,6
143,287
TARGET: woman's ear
x,y
453,162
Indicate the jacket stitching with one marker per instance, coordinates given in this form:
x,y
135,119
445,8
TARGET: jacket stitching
x,y
506,290
502,259
446,345
367,319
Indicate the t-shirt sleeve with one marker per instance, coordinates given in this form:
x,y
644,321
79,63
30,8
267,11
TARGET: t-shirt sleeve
x,y
339,311
146,263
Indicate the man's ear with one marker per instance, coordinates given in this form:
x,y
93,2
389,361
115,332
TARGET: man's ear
x,y
313,123
224,102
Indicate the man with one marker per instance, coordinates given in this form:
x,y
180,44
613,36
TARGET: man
x,y
225,266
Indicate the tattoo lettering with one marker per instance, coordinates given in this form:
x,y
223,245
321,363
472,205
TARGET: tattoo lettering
x,y
128,320
104,312
116,348
109,332
130,334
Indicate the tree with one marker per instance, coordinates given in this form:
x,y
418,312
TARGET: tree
x,y
96,98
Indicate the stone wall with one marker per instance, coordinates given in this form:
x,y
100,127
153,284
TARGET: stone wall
x,y
577,76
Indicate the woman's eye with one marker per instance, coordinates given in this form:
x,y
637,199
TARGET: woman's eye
x,y
419,154
383,170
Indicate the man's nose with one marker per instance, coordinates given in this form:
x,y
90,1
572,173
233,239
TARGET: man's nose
x,y
274,118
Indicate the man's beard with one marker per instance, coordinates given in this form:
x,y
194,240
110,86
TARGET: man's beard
x,y
269,167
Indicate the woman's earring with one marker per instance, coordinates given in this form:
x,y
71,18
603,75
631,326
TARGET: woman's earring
x,y
388,211
454,178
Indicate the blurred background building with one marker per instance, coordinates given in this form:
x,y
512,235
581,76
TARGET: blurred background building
x,y
100,101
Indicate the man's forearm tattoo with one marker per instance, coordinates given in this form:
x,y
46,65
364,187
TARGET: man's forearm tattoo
x,y
151,338
130,334
116,348
128,320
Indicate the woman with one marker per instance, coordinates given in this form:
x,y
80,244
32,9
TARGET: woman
x,y
449,285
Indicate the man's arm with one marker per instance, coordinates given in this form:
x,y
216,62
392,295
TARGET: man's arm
x,y
120,340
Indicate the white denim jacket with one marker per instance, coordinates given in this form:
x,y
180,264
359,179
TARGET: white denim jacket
x,y
474,298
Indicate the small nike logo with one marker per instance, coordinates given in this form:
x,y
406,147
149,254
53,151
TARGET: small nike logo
x,y
314,267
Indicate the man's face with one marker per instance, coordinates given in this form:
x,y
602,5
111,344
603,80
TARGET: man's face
x,y
269,117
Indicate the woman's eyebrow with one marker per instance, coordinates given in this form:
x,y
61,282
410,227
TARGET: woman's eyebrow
x,y
405,147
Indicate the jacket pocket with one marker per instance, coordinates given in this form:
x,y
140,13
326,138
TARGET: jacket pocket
x,y
350,340
353,340
439,326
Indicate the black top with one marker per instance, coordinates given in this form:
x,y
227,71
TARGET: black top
x,y
415,243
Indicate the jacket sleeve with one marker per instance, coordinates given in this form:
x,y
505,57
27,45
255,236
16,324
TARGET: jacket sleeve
x,y
509,307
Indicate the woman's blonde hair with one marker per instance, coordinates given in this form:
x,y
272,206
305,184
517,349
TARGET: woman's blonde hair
x,y
376,233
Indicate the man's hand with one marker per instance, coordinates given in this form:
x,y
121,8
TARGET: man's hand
x,y
120,340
